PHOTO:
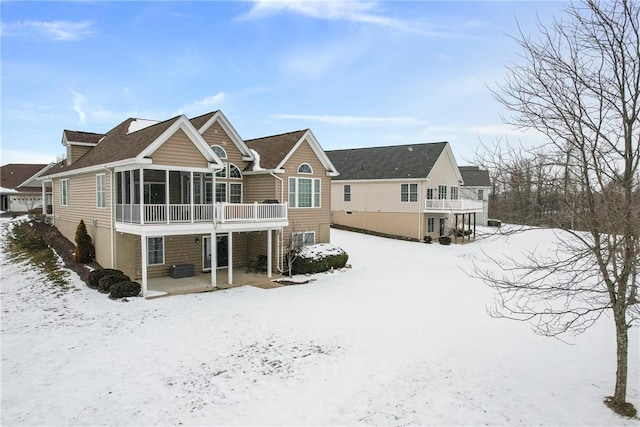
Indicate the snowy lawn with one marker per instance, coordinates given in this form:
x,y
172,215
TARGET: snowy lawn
x,y
402,338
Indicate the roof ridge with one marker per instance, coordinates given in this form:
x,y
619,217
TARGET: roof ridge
x,y
278,134
390,146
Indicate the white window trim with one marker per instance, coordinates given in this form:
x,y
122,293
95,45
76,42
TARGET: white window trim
x,y
314,187
440,192
101,193
305,173
229,190
346,194
214,146
303,233
229,173
455,192
64,192
409,193
148,248
215,192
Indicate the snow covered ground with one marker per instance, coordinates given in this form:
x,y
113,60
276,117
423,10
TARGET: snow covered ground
x,y
402,338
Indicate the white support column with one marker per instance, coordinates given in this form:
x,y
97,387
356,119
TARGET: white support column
x,y
269,250
143,246
214,260
230,258
191,197
166,195
141,193
44,198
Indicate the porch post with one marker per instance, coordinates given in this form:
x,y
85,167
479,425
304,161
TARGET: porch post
x,y
44,198
269,253
455,235
141,194
214,259
166,195
191,195
474,226
143,248
230,258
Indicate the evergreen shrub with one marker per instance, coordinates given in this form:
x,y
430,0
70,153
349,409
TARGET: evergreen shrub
x,y
104,284
125,289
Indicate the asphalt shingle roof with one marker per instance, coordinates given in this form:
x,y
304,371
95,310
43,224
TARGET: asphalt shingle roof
x,y
80,136
392,162
473,176
117,145
199,121
273,149
14,174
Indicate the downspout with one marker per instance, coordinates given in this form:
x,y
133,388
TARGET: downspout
x,y
112,225
280,242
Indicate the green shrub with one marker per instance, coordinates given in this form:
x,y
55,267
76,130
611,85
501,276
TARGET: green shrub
x,y
318,258
104,284
84,252
125,289
96,275
27,238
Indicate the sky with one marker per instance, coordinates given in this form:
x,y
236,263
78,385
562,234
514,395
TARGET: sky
x,y
357,74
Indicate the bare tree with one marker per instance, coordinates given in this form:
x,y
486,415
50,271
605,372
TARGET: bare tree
x,y
579,85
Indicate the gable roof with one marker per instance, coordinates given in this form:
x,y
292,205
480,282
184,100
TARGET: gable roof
x,y
390,162
275,150
199,122
119,144
473,176
204,122
71,136
12,175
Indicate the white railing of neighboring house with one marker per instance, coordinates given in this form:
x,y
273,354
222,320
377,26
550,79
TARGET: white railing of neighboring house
x,y
182,213
453,205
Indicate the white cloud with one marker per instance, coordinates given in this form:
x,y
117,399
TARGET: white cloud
x,y
350,120
360,12
78,100
203,105
52,30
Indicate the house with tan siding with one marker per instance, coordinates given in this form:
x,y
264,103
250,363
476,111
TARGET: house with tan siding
x,y
155,195
409,191
20,190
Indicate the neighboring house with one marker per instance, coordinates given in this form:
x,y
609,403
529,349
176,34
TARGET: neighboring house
x,y
20,192
477,186
157,194
406,190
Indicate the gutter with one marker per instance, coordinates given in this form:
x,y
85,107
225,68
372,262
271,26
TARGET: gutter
x,y
280,241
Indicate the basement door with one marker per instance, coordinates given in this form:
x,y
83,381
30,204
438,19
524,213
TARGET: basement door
x,y
222,246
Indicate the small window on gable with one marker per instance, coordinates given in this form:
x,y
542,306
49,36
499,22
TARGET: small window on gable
x,y
234,172
305,168
220,152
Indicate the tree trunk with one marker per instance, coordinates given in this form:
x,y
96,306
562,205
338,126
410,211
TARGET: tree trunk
x,y
622,344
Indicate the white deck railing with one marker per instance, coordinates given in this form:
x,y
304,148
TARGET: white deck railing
x,y
186,213
453,205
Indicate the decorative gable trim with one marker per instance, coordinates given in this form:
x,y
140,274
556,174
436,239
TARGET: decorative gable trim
x,y
317,149
247,155
182,123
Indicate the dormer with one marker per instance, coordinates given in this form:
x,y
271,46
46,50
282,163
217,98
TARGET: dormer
x,y
78,143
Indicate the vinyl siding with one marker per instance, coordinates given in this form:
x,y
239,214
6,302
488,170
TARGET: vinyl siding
x,y
375,196
78,151
259,188
82,206
216,135
411,225
308,219
179,150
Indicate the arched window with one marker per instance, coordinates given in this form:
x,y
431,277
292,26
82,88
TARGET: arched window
x,y
234,172
219,151
305,168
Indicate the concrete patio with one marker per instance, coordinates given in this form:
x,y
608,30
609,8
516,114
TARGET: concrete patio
x,y
201,282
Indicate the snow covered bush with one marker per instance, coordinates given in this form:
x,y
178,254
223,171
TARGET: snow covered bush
x,y
318,258
95,276
125,289
104,284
